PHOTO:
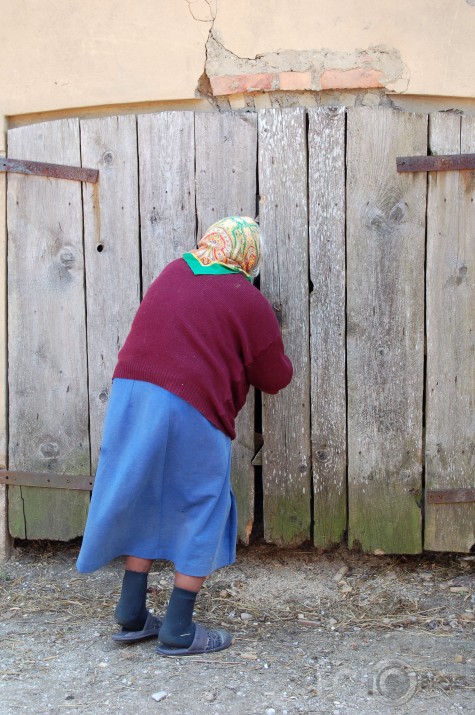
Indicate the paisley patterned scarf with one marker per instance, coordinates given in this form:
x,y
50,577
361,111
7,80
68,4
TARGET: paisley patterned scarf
x,y
233,243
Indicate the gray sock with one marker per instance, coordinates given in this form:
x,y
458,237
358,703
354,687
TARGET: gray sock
x,y
131,612
178,628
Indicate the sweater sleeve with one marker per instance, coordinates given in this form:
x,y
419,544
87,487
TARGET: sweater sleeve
x,y
271,370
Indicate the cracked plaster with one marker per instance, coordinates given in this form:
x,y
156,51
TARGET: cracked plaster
x,y
377,66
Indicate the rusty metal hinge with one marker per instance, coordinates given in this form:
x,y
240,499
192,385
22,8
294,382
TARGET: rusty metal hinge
x,y
45,480
450,496
54,171
446,162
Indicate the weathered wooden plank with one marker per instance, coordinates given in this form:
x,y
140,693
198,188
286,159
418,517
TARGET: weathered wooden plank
x,y
48,416
167,189
226,155
326,141
225,191
385,329
450,393
286,416
112,254
5,539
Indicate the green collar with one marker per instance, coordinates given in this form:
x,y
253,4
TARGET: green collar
x,y
215,269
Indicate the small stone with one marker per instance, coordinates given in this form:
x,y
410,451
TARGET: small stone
x,y
223,593
102,665
459,658
270,711
379,552
210,697
332,621
346,588
386,621
161,695
246,617
340,573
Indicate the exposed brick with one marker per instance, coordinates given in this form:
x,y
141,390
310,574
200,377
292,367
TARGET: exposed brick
x,y
359,77
237,101
239,83
295,81
262,101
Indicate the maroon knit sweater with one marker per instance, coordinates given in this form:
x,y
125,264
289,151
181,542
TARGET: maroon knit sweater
x,y
206,338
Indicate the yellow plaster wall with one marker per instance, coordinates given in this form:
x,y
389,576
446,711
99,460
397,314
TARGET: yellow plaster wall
x,y
435,38
60,54
57,54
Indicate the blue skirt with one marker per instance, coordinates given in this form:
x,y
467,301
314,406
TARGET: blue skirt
x,y
162,487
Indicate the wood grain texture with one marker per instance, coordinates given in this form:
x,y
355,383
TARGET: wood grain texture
x,y
111,245
228,138
326,142
3,338
226,155
48,414
167,189
385,329
284,281
6,543
450,393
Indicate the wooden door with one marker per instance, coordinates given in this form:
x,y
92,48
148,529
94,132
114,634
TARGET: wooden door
x,y
450,392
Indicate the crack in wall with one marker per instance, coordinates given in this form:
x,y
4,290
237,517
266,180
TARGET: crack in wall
x,y
203,89
206,7
289,78
376,67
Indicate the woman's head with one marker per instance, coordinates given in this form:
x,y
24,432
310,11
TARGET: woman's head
x,y
234,241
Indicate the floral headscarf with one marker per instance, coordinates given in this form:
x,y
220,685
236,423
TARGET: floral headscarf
x,y
233,242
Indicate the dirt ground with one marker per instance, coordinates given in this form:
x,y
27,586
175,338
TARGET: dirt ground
x,y
336,633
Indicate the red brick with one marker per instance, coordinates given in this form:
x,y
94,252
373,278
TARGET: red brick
x,y
359,77
295,81
239,83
